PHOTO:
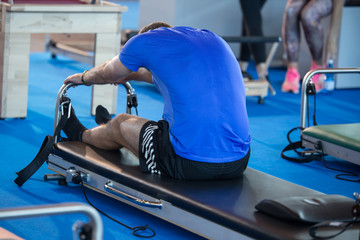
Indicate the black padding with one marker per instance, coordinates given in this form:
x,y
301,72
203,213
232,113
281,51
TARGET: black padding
x,y
230,203
311,209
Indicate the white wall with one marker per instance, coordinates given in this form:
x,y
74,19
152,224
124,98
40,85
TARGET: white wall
x,y
156,10
224,18
220,16
349,51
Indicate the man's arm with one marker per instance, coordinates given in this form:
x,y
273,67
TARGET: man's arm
x,y
142,75
112,71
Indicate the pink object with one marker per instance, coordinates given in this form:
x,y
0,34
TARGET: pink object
x,y
318,79
292,79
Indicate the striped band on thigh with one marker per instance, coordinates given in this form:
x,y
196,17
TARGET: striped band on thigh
x,y
148,149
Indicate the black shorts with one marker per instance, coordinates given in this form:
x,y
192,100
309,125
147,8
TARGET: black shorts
x,y
157,156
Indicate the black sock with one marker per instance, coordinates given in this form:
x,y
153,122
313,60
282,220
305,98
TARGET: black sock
x,y
73,127
102,116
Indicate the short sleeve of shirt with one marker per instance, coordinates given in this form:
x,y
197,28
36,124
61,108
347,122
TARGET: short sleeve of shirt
x,y
132,54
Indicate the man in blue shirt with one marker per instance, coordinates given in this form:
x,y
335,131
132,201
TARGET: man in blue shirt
x,y
204,133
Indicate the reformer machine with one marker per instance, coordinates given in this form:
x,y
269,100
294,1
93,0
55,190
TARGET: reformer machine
x,y
117,174
258,87
223,209
338,140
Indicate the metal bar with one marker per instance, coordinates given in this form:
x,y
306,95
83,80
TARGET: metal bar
x,y
252,39
56,209
60,94
308,76
128,88
63,90
109,188
269,58
130,91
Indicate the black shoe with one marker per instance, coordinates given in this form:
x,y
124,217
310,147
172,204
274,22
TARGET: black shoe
x,y
102,115
73,127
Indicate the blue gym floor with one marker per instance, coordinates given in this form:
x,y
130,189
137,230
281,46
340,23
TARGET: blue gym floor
x,y
20,139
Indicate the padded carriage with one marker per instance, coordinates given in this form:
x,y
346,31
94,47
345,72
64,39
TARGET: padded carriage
x,y
338,140
213,209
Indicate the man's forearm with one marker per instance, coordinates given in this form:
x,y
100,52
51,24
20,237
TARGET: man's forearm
x,y
98,75
141,75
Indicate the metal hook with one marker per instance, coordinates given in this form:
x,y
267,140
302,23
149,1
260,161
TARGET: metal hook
x,y
357,197
62,108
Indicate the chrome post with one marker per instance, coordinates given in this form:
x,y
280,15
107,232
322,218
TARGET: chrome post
x,y
308,76
56,209
62,92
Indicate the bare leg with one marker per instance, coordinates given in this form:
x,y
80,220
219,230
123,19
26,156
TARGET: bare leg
x,y
294,65
122,131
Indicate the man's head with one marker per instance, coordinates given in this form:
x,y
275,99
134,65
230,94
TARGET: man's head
x,y
153,26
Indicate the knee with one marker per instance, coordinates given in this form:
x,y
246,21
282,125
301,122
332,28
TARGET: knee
x,y
292,12
308,18
121,117
118,124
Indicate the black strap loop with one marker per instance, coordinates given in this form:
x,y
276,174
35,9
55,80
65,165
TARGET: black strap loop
x,y
315,231
295,146
43,153
137,230
38,161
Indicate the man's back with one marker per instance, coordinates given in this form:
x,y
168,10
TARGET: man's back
x,y
203,90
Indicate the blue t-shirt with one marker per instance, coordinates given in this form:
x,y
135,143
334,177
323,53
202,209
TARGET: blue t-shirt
x,y
203,90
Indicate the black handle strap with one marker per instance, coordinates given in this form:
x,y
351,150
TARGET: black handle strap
x,y
38,161
294,146
43,153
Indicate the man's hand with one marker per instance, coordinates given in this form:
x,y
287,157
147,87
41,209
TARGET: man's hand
x,y
76,78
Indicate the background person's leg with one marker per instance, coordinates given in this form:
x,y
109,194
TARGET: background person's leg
x,y
291,36
291,29
311,16
252,21
245,54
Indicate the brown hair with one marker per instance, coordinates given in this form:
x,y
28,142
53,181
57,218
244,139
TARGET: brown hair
x,y
153,26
